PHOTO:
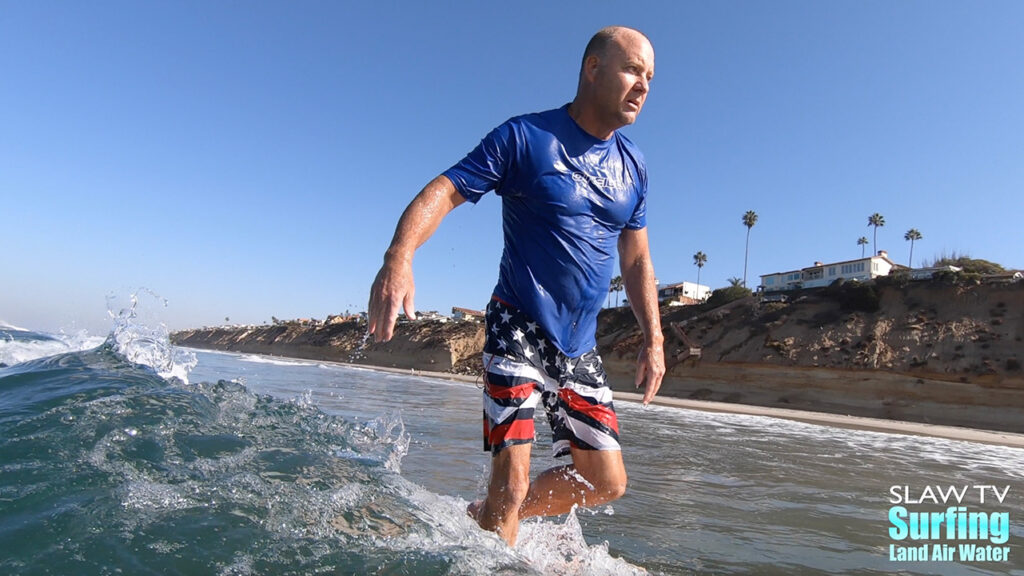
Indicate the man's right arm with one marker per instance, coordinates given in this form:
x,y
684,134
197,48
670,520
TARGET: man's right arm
x,y
394,287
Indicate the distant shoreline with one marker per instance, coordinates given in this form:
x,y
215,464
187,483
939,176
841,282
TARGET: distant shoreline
x,y
1008,439
932,354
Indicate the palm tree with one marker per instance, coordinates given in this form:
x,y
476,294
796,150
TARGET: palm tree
x,y
699,260
616,286
749,219
876,220
862,242
735,282
912,235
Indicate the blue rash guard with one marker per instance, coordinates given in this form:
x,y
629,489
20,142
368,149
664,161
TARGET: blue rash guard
x,y
566,196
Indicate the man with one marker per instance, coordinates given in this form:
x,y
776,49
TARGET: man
x,y
573,190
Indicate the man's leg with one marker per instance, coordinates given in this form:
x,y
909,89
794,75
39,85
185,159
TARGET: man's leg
x,y
594,478
508,488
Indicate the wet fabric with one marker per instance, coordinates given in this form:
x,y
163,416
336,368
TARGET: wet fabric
x,y
523,370
566,196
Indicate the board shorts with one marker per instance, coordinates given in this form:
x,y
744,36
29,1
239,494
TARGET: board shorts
x,y
522,369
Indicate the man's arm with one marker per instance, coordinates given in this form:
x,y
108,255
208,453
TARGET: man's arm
x,y
638,277
394,287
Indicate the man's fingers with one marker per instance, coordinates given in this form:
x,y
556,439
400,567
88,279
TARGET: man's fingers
x,y
388,330
649,373
651,389
647,389
643,379
371,308
381,319
388,317
387,296
409,305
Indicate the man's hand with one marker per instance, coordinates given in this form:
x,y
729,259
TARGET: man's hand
x,y
392,289
650,369
642,291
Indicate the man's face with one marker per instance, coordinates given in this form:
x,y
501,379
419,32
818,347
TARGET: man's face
x,y
622,77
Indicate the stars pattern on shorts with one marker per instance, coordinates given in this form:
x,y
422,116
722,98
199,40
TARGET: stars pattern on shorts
x,y
511,334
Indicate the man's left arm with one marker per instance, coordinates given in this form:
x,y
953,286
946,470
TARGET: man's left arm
x,y
642,292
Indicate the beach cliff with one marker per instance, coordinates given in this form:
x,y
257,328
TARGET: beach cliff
x,y
922,352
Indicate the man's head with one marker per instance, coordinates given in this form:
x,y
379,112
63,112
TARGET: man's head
x,y
615,75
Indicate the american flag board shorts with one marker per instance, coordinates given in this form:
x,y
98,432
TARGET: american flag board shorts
x,y
523,368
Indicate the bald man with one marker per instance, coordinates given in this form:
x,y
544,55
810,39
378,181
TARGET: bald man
x,y
573,193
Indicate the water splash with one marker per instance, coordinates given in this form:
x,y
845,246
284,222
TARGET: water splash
x,y
382,440
141,338
359,353
560,549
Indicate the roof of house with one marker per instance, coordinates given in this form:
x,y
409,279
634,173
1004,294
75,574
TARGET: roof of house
x,y
678,284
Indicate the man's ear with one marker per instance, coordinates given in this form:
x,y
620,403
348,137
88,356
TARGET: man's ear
x,y
590,67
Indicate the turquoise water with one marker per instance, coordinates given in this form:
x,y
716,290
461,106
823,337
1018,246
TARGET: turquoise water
x,y
137,458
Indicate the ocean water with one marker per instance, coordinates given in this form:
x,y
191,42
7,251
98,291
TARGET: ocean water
x,y
133,457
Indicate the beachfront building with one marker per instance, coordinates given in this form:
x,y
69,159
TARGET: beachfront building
x,y
432,315
467,314
683,293
929,273
821,274
342,318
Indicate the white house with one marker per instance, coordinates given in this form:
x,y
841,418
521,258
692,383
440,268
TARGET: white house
x,y
682,291
463,314
862,269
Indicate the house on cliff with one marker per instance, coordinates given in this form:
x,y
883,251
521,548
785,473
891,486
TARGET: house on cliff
x,y
341,318
821,274
683,293
930,272
467,314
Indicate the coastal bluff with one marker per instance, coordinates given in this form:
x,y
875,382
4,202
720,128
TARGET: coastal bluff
x,y
926,352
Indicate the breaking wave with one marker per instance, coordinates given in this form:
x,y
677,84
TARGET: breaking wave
x,y
111,461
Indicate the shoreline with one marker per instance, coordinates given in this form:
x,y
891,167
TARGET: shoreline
x,y
933,353
1009,439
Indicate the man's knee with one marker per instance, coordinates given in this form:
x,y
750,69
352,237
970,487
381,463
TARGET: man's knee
x,y
612,486
604,471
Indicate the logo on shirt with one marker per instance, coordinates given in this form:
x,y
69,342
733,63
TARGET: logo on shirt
x,y
602,182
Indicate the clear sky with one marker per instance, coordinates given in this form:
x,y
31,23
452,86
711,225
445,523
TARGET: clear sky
x,y
251,159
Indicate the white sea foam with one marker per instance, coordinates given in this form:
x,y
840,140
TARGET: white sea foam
x,y
18,345
7,326
257,359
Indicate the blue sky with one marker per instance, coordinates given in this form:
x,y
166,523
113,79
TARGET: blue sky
x,y
251,159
